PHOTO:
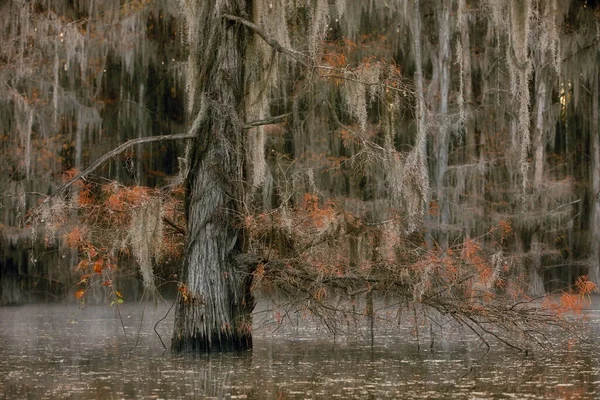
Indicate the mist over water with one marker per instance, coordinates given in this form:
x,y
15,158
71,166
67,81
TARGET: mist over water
x,y
62,351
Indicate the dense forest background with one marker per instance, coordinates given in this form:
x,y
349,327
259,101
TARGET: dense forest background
x,y
502,98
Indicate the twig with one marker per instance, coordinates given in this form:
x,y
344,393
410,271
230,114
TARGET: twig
x,y
122,324
174,226
161,320
137,339
267,121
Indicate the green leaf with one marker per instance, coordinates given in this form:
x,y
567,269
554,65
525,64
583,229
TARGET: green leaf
x,y
120,301
112,303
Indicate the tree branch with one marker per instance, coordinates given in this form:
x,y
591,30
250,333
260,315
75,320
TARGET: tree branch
x,y
298,56
118,150
179,136
175,226
267,121
270,41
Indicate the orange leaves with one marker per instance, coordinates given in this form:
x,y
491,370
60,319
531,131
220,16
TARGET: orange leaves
x,y
84,279
85,197
257,276
75,238
310,202
121,198
567,303
335,60
316,217
470,251
137,195
584,286
91,251
69,174
79,294
184,292
83,264
348,138
574,300
505,227
98,266
114,203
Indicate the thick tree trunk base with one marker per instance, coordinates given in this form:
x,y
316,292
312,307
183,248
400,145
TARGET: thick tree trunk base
x,y
217,343
200,328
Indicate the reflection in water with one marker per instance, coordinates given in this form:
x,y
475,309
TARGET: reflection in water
x,y
60,351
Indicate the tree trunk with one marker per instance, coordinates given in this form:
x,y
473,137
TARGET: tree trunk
x,y
542,98
594,272
419,153
442,140
214,307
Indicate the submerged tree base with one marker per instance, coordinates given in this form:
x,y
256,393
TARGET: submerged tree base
x,y
216,343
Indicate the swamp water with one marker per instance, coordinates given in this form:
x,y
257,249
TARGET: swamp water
x,y
61,351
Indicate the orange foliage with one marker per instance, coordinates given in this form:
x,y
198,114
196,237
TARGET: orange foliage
x,y
336,60
505,227
584,286
114,202
348,138
184,292
85,197
69,174
75,237
572,301
470,250
98,266
137,195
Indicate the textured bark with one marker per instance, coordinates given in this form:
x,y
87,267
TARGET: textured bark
x,y
442,140
215,312
420,151
595,214
542,100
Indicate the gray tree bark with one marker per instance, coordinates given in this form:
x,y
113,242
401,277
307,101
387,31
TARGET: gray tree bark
x,y
442,140
542,100
214,308
594,272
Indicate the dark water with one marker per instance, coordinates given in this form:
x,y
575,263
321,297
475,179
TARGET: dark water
x,y
61,351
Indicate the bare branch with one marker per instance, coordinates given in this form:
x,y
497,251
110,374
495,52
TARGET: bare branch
x,y
179,136
118,150
270,41
267,121
174,226
298,56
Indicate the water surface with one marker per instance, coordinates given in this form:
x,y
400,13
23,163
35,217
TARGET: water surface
x,y
61,351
